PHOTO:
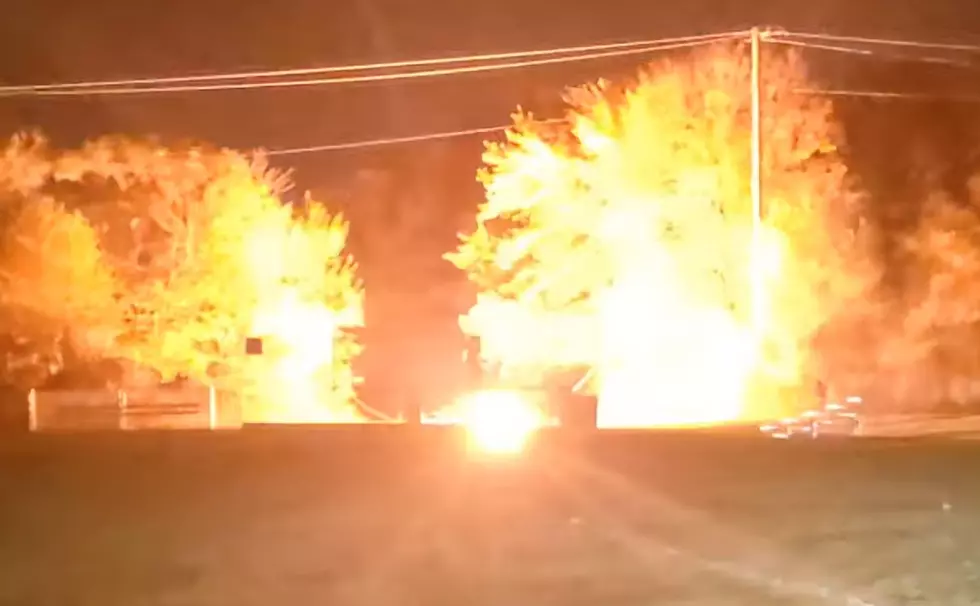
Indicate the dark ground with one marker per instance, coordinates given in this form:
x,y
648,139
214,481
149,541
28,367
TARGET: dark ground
x,y
389,515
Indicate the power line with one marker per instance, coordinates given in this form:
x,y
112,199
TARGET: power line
x,y
356,79
118,87
868,52
874,94
86,90
396,140
413,63
972,48
436,136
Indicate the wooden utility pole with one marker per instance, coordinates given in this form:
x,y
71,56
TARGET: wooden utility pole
x,y
756,261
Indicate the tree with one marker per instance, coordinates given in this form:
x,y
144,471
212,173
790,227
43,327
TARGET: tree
x,y
931,351
195,245
319,297
56,290
635,216
195,258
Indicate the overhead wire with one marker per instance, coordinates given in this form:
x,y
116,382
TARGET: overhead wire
x,y
876,94
870,52
876,53
973,48
126,88
530,58
359,67
436,136
783,38
619,49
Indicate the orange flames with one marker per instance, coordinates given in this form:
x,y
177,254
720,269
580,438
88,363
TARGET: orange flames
x,y
620,243
298,379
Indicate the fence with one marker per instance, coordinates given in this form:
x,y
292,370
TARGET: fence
x,y
148,408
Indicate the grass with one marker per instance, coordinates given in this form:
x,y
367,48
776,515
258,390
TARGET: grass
x,y
389,515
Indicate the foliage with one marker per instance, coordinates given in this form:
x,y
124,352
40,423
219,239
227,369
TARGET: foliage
x,y
652,178
167,251
934,332
53,279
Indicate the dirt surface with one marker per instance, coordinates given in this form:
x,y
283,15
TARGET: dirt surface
x,y
387,515
951,426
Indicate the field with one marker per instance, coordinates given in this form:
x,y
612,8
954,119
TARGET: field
x,y
391,515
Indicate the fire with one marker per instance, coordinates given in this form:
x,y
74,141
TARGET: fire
x,y
633,215
672,354
296,388
295,379
667,362
664,349
499,421
660,359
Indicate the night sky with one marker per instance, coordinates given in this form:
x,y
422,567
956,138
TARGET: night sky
x,y
58,41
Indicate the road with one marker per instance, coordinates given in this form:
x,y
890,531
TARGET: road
x,y
384,515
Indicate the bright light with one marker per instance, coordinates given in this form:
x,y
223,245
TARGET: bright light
x,y
666,360
499,421
295,381
296,391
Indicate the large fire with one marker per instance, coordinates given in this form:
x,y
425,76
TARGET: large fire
x,y
664,348
296,380
658,360
667,362
634,216
499,421
297,389
624,242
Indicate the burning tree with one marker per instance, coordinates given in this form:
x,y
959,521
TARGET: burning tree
x,y
175,255
56,290
630,228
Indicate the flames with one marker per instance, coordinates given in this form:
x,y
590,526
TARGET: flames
x,y
630,228
659,356
669,362
664,325
303,376
297,387
623,241
499,421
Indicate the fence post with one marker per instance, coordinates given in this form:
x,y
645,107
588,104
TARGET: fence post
x,y
122,398
212,408
32,409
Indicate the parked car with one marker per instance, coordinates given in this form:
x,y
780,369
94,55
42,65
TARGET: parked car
x,y
791,427
833,419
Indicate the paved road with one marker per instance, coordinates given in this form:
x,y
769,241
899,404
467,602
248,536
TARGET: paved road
x,y
379,515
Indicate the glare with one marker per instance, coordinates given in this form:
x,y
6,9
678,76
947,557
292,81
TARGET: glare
x,y
666,360
306,333
499,421
295,383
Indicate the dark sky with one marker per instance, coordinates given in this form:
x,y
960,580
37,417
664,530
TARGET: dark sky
x,y
58,40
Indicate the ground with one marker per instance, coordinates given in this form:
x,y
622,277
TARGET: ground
x,y
387,515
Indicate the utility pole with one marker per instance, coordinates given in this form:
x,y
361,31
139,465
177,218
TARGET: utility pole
x,y
755,259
